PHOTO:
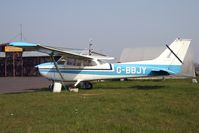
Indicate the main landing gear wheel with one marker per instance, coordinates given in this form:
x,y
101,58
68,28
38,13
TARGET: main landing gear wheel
x,y
86,85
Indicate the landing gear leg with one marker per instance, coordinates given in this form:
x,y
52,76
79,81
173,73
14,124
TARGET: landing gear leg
x,y
51,86
74,88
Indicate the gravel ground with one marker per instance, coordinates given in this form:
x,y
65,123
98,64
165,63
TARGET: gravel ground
x,y
22,84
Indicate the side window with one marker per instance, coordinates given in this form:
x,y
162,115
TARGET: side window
x,y
92,63
73,62
89,63
70,62
85,63
78,62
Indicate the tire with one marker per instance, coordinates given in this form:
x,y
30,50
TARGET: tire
x,y
86,85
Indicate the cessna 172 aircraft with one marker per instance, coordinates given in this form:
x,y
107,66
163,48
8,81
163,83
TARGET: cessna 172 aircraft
x,y
77,67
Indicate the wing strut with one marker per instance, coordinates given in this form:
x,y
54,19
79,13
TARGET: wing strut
x,y
57,68
174,53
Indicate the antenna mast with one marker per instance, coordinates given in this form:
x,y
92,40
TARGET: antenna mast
x,y
21,33
90,44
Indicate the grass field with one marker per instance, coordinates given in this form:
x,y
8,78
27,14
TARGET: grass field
x,y
129,106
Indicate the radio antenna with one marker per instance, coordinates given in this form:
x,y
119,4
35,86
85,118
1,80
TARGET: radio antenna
x,y
89,48
21,33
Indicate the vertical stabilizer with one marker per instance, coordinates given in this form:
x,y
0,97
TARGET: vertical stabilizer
x,y
175,53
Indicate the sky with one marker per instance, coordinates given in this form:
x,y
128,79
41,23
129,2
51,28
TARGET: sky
x,y
111,24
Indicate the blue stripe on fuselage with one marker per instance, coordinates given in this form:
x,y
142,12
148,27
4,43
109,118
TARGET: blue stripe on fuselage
x,y
119,69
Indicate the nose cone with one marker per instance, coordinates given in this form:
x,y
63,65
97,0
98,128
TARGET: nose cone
x,y
36,66
44,68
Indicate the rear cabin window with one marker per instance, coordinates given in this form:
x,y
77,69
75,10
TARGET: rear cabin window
x,y
89,63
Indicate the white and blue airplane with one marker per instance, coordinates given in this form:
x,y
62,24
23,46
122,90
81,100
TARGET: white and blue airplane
x,y
76,67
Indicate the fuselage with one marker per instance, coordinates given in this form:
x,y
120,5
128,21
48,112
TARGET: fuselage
x,y
106,71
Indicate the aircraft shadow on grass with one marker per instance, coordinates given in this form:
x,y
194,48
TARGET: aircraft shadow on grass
x,y
137,87
147,87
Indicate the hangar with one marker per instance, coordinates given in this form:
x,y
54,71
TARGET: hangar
x,y
16,62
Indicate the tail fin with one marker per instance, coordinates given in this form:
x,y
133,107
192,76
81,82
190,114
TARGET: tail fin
x,y
175,53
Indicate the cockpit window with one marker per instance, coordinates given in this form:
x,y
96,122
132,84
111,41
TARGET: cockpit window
x,y
61,61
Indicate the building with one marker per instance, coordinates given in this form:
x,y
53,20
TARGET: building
x,y
16,62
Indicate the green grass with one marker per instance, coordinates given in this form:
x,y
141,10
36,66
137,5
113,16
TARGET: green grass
x,y
130,106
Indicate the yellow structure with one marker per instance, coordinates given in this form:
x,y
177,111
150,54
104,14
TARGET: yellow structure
x,y
12,49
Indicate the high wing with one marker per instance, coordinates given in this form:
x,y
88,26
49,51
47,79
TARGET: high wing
x,y
56,51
